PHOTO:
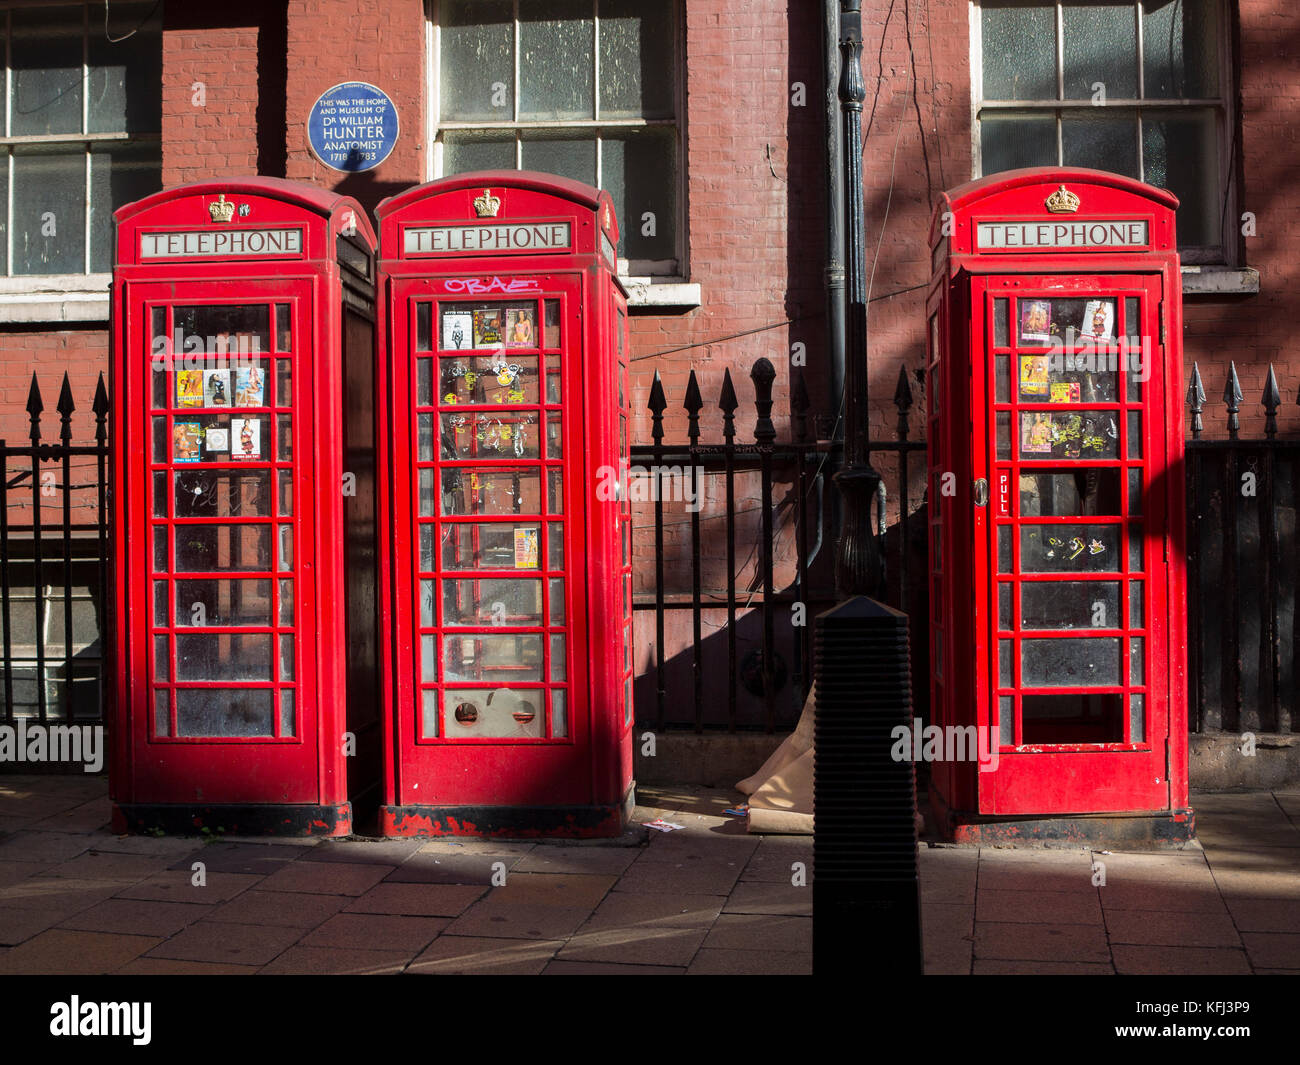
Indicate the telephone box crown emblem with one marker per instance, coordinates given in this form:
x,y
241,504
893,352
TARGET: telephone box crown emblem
x,y
487,205
221,209
1062,201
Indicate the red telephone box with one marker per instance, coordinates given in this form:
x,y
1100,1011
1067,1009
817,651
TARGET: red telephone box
x,y
509,705
1057,564
243,509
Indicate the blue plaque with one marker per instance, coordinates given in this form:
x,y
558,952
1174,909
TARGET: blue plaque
x,y
352,127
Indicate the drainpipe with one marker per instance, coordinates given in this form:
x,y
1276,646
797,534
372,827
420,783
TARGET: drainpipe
x,y
834,220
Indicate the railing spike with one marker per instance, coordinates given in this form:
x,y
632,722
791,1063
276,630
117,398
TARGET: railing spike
x,y
903,391
34,408
727,401
657,404
1232,397
763,374
1196,400
1272,400
65,407
693,403
100,406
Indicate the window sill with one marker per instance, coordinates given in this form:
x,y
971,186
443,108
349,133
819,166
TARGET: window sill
x,y
55,298
1219,281
661,292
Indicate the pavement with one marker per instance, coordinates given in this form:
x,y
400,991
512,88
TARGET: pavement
x,y
707,899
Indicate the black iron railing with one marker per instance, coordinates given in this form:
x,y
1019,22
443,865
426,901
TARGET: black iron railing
x,y
54,567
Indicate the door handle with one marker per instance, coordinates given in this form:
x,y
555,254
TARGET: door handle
x,y
981,492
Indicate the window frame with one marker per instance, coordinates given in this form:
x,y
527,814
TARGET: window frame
x,y
658,270
22,283
1228,251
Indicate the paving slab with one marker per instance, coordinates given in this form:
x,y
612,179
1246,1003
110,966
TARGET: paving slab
x,y
452,867
278,909
711,961
112,865
497,919
483,956
392,852
325,878
337,961
63,951
610,860
947,938
177,885
1156,928
19,925
1255,818
775,858
376,931
174,967
1176,898
645,929
30,845
137,917
417,900
1176,961
477,846
765,897
58,894
998,967
680,847
758,932
1264,915
260,859
87,817
1011,940
1272,950
604,968
242,944
1045,908
689,877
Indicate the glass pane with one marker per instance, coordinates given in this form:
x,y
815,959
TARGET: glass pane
x,y
125,61
424,382
556,592
286,547
160,495
283,328
1069,436
224,712
636,59
554,437
1004,434
1100,141
208,493
1019,50
1004,549
287,722
553,388
1006,664
1099,44
286,656
555,545
223,602
500,379
227,329
286,602
463,151
551,326
428,658
474,712
559,713
1137,725
497,435
1064,662
1005,620
1069,548
1070,605
161,661
1070,322
556,64
1180,55
495,659
429,712
1082,717
1135,491
1135,543
160,450
424,435
284,383
1181,154
1083,493
1135,612
1006,720
49,208
476,61
46,56
285,506
119,174
223,656
160,602
639,169
217,547
1135,670
162,723
490,490
1002,377
1001,312
489,545
571,157
492,602
555,491
1008,142
427,604
557,657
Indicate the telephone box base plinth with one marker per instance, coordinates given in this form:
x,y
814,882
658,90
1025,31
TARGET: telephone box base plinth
x,y
234,819
516,822
1144,828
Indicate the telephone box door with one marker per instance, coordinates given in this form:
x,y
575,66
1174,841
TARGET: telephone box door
x,y
1069,431
491,588
216,438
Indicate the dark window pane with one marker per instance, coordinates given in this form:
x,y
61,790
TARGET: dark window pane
x,y
224,712
45,55
556,63
476,61
571,157
50,212
463,152
119,174
1180,48
1181,154
1103,142
639,170
637,61
1066,662
122,91
1099,44
1070,605
1085,717
1019,46
1008,142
